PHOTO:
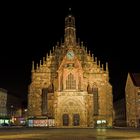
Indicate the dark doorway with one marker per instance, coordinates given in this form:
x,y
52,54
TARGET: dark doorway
x,y
65,119
76,119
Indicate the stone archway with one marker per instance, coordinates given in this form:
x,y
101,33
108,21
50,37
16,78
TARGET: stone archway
x,y
75,112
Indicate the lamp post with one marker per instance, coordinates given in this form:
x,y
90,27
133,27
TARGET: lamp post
x,y
12,114
25,116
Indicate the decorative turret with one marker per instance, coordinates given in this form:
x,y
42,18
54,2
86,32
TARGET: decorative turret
x,y
40,63
70,31
93,57
43,60
46,56
33,69
106,67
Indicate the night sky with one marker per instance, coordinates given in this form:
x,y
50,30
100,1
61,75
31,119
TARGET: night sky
x,y
30,30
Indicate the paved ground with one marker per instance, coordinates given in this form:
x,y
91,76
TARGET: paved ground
x,y
68,134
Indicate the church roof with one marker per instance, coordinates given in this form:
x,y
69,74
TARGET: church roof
x,y
135,78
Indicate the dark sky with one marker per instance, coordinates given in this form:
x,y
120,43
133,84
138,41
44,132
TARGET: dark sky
x,y
29,31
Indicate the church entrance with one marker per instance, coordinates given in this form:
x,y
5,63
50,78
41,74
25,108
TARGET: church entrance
x,y
76,120
65,119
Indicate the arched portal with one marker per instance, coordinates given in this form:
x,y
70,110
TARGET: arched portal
x,y
71,112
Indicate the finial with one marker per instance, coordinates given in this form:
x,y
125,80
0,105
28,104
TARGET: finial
x,y
99,63
82,44
50,53
106,67
43,60
33,66
89,52
40,62
93,57
46,56
37,66
102,66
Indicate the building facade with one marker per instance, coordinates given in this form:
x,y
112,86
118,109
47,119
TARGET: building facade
x,y
71,86
132,92
3,101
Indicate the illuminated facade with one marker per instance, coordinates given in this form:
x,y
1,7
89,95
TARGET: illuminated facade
x,y
71,86
132,92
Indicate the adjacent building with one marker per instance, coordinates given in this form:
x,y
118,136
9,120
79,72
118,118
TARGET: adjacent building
x,y
71,86
4,119
132,90
3,101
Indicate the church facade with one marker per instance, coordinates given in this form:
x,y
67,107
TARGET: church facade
x,y
71,86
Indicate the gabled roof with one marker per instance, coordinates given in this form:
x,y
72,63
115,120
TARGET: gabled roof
x,y
135,78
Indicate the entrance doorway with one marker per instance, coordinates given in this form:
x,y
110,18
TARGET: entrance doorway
x,y
65,119
76,119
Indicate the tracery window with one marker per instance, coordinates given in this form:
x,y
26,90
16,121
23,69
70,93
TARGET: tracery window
x,y
95,100
70,82
44,101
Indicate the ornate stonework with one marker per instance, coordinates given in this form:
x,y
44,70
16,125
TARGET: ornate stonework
x,y
71,86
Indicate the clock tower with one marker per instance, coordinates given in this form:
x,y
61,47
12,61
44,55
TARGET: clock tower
x,y
70,31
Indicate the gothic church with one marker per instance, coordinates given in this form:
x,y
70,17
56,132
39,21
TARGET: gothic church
x,y
71,86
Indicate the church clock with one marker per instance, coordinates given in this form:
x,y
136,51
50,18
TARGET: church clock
x,y
70,55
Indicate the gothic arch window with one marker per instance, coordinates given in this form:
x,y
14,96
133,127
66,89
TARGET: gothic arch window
x,y
44,101
95,100
70,82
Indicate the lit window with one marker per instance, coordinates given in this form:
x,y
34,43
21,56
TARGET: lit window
x,y
103,121
70,82
99,122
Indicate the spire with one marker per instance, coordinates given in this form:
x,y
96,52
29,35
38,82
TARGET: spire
x,y
106,67
70,31
93,57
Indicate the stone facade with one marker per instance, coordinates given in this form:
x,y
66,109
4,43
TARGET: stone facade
x,y
132,92
71,86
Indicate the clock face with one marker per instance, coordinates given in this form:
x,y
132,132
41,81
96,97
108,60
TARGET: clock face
x,y
70,55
